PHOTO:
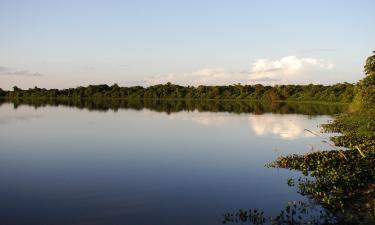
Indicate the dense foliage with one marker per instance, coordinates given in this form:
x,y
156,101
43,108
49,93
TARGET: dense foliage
x,y
365,89
370,65
338,92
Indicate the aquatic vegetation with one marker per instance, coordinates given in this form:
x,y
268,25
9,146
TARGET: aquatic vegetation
x,y
342,181
357,129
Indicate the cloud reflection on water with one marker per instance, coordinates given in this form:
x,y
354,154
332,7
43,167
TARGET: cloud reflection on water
x,y
287,127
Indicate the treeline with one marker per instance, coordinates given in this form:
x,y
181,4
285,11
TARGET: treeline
x,y
342,92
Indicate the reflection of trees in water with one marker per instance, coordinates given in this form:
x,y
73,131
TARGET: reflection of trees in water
x,y
170,106
296,213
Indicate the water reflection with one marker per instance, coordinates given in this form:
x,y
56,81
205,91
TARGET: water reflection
x,y
284,126
17,118
287,127
171,106
294,213
186,165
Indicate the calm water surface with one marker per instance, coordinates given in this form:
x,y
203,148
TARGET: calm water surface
x,y
64,165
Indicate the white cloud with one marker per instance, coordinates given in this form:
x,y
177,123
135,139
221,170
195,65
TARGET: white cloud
x,y
288,69
6,71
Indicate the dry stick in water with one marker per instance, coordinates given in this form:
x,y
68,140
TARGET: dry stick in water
x,y
325,140
360,152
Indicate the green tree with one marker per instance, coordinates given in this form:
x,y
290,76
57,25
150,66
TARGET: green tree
x,y
370,65
365,90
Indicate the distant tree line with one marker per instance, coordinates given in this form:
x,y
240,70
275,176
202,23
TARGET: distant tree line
x,y
342,92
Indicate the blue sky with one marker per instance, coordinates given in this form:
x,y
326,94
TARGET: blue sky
x,y
58,44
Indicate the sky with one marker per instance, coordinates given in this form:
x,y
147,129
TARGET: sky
x,y
61,44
